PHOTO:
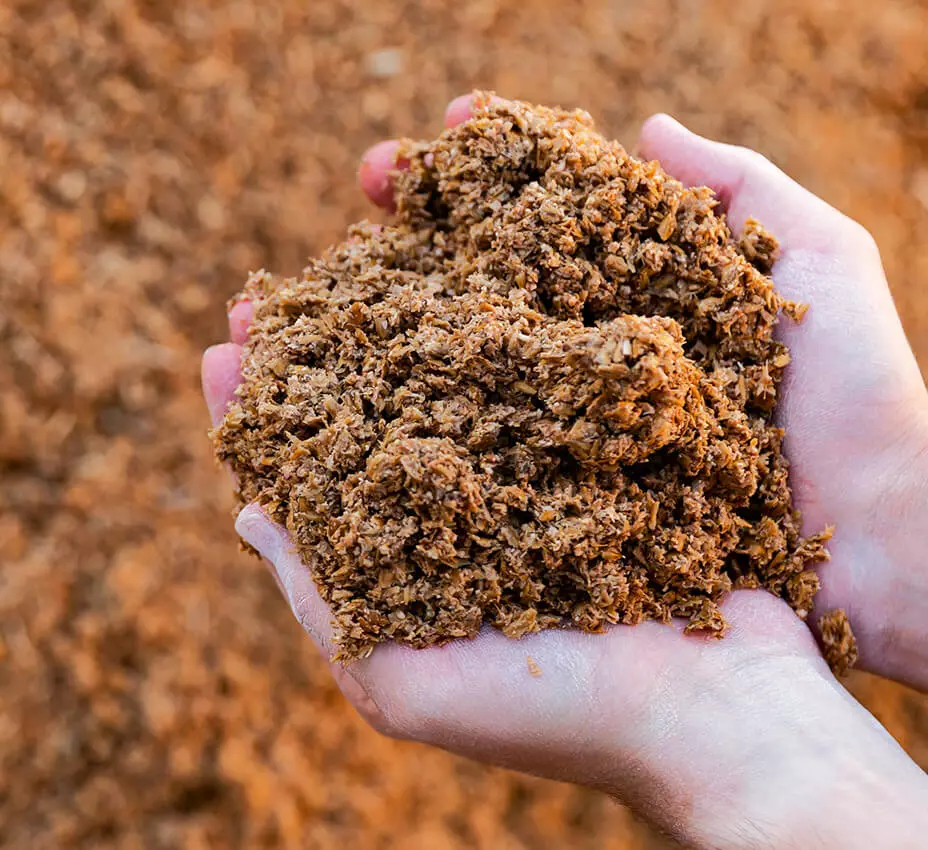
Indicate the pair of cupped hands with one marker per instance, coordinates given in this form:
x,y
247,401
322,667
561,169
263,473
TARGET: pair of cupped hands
x,y
749,741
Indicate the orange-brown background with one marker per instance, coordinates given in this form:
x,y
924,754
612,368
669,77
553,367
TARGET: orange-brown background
x,y
154,691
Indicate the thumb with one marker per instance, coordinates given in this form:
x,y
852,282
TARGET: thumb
x,y
272,542
294,579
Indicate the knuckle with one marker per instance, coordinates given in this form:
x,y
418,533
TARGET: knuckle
x,y
852,238
754,159
754,163
861,237
377,720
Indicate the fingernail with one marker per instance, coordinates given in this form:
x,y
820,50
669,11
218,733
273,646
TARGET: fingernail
x,y
259,533
210,393
262,535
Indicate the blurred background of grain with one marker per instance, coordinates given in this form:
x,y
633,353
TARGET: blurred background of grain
x,y
154,692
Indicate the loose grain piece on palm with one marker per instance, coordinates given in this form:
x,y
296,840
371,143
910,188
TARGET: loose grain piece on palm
x,y
542,396
839,645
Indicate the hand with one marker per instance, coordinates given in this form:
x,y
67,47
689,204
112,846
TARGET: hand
x,y
853,403
748,741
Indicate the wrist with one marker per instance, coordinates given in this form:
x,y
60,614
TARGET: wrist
x,y
843,796
755,745
898,608
834,779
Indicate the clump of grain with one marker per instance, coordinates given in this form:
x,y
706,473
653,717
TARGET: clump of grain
x,y
542,396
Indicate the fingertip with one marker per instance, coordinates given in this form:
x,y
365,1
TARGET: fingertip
x,y
239,321
464,106
374,172
657,131
255,527
220,374
459,110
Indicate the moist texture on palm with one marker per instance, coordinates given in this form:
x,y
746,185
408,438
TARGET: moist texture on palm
x,y
541,396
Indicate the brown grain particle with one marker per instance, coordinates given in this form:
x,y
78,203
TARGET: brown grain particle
x,y
839,645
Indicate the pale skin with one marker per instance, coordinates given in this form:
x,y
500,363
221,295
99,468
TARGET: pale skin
x,y
747,742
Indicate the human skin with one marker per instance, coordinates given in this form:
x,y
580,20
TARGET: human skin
x,y
748,741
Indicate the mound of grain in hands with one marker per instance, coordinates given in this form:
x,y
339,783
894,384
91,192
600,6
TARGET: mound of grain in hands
x,y
543,396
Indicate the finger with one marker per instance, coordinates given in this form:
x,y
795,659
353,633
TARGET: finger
x,y
462,108
239,320
826,260
374,174
459,110
749,185
380,160
220,374
295,582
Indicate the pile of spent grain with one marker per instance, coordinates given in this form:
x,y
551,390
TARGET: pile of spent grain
x,y
542,396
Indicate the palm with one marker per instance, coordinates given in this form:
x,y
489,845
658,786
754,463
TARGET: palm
x,y
497,700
